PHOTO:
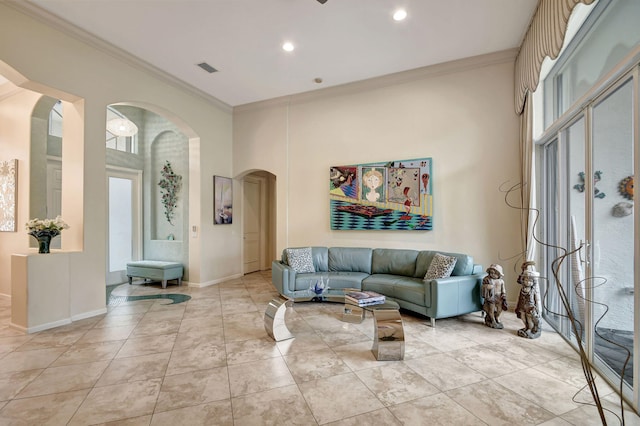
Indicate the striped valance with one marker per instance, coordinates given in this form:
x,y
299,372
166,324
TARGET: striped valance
x,y
543,38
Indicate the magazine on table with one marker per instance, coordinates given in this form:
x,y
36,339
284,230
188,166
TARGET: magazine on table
x,y
365,298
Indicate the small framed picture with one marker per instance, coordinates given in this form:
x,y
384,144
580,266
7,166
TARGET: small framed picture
x,y
222,200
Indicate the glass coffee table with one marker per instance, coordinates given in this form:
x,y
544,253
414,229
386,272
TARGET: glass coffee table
x,y
274,319
388,340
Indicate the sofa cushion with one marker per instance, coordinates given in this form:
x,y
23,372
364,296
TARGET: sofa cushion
x,y
464,264
318,254
398,287
441,266
335,280
394,262
412,290
350,259
381,283
300,259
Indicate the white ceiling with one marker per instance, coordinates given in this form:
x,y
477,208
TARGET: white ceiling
x,y
341,41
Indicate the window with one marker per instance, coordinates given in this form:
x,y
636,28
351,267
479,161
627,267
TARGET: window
x,y
605,38
120,143
55,120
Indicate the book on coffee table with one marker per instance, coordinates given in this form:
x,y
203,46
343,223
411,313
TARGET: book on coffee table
x,y
364,298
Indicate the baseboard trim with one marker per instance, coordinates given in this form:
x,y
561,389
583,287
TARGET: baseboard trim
x,y
41,327
213,282
89,314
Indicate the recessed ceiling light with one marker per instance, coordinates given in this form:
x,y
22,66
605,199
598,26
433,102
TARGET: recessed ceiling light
x,y
288,47
399,15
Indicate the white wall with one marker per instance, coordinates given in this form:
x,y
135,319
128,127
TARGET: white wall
x,y
46,60
461,114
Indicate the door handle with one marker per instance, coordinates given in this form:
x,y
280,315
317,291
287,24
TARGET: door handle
x,y
584,245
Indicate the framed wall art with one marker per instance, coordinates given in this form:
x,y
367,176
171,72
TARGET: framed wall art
x,y
392,195
8,194
222,200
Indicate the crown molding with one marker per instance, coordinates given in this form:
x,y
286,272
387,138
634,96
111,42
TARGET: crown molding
x,y
44,16
451,67
8,89
67,28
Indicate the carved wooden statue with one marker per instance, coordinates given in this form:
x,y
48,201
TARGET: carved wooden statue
x,y
495,296
528,302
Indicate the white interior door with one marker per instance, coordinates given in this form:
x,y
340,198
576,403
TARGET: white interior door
x,y
251,224
124,222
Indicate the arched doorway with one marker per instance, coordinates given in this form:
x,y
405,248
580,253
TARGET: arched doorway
x,y
258,221
137,162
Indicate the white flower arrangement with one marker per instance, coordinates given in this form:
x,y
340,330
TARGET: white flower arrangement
x,y
54,226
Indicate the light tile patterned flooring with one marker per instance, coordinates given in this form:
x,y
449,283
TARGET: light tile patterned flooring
x,y
208,361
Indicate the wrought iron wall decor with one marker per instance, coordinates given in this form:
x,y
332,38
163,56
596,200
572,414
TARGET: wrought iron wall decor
x,y
596,178
625,187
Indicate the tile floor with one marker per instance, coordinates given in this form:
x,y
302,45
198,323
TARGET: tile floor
x,y
208,361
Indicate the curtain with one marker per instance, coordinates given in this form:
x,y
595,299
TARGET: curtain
x,y
543,38
527,179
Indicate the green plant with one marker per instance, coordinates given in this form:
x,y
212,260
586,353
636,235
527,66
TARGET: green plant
x,y
170,184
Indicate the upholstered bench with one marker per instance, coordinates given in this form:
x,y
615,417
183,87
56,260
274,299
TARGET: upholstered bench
x,y
155,270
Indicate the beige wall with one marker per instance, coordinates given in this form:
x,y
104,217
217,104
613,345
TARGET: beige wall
x,y
14,125
48,61
460,114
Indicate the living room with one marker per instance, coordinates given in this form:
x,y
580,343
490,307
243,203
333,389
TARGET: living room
x,y
459,113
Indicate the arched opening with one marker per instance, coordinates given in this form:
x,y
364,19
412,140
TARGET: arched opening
x,y
148,196
26,139
45,169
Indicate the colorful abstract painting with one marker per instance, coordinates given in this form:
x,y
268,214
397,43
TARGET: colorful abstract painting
x,y
8,187
394,195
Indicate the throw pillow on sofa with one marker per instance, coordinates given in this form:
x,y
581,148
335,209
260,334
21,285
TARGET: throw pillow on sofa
x,y
300,259
441,267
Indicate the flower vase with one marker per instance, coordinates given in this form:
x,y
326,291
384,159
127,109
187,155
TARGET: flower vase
x,y
44,240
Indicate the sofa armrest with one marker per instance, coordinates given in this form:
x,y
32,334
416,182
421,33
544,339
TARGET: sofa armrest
x,y
453,296
283,277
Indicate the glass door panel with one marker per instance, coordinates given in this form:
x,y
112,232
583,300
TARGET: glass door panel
x,y
551,301
565,229
120,224
575,265
123,223
613,232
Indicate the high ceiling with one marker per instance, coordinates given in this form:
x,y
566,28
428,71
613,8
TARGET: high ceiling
x,y
341,41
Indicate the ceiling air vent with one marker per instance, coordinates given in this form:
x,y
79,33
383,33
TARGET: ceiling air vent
x,y
208,68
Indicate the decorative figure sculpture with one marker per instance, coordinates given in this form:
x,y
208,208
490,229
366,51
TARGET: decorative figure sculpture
x,y
318,290
495,296
625,188
529,301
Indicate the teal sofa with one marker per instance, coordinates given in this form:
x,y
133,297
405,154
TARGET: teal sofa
x,y
396,273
